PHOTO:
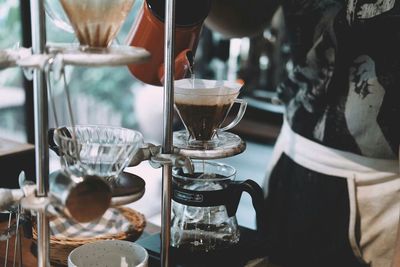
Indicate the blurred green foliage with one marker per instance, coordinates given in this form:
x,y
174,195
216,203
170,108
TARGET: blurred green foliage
x,y
10,36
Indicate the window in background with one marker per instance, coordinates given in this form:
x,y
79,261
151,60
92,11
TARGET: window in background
x,y
12,95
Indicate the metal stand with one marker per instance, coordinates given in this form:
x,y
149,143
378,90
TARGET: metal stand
x,y
41,123
166,156
41,128
167,147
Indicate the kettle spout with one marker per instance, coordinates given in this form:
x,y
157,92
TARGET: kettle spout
x,y
183,66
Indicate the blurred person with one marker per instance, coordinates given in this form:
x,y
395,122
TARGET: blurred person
x,y
333,192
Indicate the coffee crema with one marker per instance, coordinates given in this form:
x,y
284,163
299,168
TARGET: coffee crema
x,y
202,121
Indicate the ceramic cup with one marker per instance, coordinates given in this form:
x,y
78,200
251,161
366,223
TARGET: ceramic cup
x,y
109,253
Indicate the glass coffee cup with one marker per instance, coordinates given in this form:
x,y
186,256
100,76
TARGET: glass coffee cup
x,y
203,106
204,205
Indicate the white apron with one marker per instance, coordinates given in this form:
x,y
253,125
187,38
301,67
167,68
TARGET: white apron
x,y
374,192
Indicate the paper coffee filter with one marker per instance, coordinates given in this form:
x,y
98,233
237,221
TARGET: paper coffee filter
x,y
205,100
206,92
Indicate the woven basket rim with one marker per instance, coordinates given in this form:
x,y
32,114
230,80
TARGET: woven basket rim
x,y
136,218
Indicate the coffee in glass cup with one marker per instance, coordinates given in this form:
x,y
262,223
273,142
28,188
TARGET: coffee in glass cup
x,y
203,105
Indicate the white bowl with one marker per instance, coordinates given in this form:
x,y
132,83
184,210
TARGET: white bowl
x,y
109,253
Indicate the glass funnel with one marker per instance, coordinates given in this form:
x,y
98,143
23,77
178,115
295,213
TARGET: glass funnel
x,y
95,22
97,150
203,106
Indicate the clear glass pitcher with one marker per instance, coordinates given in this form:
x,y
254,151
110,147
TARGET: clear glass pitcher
x,y
204,205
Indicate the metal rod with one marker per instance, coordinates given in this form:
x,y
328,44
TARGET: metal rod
x,y
41,129
167,147
8,239
16,235
25,9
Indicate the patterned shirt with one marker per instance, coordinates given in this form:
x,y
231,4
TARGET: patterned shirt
x,y
344,90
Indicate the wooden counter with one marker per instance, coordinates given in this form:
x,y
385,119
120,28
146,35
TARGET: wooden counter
x,y
15,157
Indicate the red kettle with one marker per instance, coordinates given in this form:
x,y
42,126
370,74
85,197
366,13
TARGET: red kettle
x,y
148,32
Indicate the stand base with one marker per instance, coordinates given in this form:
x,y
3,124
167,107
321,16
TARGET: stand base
x,y
224,145
251,246
127,188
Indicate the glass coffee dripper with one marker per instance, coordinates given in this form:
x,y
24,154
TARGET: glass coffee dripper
x,y
102,151
94,22
204,205
203,106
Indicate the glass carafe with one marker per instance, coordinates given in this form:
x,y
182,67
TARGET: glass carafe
x,y
204,205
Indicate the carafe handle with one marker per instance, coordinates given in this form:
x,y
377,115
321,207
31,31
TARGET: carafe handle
x,y
257,197
239,116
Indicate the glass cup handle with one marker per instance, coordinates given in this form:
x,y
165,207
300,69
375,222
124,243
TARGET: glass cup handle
x,y
56,19
239,116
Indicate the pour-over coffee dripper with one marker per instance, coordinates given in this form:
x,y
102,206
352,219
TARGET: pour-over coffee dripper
x,y
102,151
203,106
94,22
97,150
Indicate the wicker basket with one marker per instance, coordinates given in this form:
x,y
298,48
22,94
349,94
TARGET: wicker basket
x,y
61,247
